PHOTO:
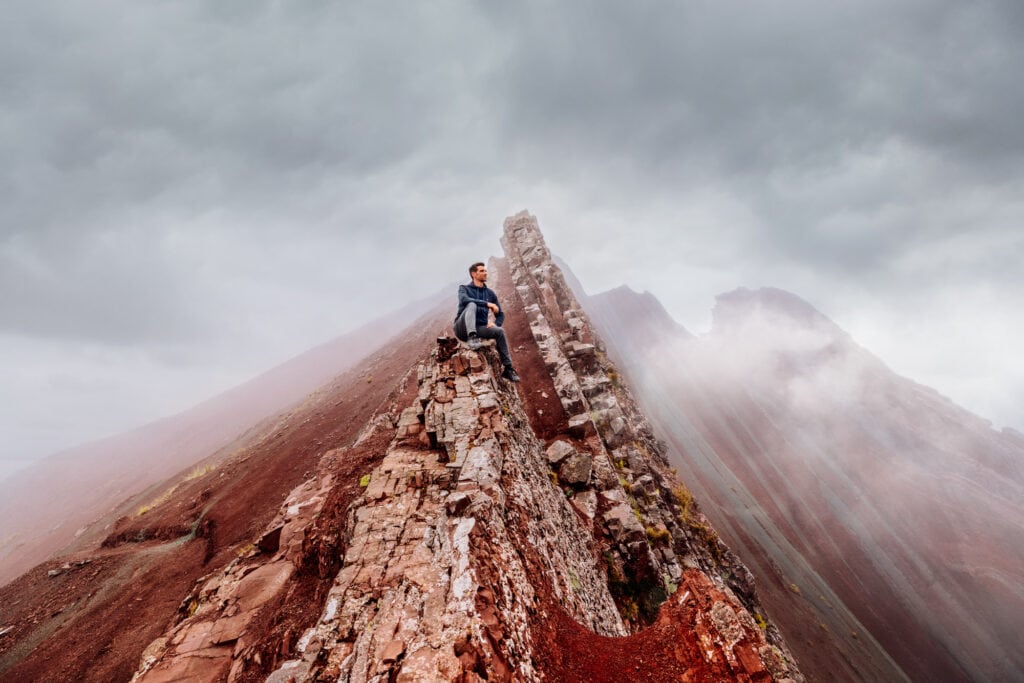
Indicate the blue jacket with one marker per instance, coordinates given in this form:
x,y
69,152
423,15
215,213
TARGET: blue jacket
x,y
480,296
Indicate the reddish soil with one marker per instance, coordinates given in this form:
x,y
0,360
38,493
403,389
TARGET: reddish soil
x,y
92,622
44,508
537,390
668,650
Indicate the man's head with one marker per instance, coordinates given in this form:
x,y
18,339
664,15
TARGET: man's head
x,y
478,271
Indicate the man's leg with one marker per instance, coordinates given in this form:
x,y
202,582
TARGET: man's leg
x,y
502,343
462,329
465,327
498,335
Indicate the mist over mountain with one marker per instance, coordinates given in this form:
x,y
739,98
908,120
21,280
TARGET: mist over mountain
x,y
51,502
388,505
192,191
855,493
420,516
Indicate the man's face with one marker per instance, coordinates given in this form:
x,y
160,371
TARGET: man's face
x,y
480,275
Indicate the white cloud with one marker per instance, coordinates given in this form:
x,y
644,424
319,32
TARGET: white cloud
x,y
241,181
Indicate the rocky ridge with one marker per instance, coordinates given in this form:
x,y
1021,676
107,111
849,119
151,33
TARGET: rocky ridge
x,y
478,550
648,515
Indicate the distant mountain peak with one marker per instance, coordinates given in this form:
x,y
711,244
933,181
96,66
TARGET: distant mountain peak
x,y
647,303
627,291
734,306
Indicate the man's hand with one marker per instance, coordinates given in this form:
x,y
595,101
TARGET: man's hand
x,y
493,307
490,324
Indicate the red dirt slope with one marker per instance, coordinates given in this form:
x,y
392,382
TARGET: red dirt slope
x,y
91,621
43,508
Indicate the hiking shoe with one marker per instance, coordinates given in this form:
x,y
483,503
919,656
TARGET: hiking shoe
x,y
474,343
510,375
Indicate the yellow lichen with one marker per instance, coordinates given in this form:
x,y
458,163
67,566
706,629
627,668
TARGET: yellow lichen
x,y
656,535
685,500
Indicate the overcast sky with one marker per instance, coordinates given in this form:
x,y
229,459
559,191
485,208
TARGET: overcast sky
x,y
192,192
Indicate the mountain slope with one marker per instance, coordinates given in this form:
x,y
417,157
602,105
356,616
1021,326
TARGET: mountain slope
x,y
93,619
454,527
873,503
46,506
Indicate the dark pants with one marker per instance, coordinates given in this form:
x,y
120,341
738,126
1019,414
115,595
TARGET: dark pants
x,y
465,325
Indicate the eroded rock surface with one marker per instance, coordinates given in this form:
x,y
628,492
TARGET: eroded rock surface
x,y
473,537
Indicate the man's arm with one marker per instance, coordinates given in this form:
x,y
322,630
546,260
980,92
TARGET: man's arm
x,y
499,313
464,297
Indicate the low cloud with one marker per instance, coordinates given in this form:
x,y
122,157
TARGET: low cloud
x,y
245,180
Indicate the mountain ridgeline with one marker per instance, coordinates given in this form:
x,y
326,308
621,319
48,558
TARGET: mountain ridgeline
x,y
443,524
883,521
764,502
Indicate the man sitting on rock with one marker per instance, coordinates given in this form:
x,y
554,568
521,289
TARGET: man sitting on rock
x,y
476,300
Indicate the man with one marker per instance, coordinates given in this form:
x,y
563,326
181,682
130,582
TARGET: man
x,y
476,300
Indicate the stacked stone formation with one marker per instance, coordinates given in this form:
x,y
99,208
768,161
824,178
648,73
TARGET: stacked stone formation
x,y
421,590
648,533
602,417
441,555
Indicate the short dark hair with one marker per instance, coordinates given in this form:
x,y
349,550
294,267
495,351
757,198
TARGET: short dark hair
x,y
473,268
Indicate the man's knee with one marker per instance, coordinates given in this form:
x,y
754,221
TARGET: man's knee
x,y
495,333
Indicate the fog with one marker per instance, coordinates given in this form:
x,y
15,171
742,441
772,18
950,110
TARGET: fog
x,y
192,193
903,503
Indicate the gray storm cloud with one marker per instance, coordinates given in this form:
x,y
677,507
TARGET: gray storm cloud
x,y
226,185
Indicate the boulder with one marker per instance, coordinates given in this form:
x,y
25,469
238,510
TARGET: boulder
x,y
392,651
622,523
581,426
585,502
446,347
271,540
645,486
575,349
576,469
409,422
558,452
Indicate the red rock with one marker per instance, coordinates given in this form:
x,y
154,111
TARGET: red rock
x,y
581,426
392,651
270,541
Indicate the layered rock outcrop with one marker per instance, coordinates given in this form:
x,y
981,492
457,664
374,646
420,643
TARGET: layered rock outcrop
x,y
649,525
483,547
